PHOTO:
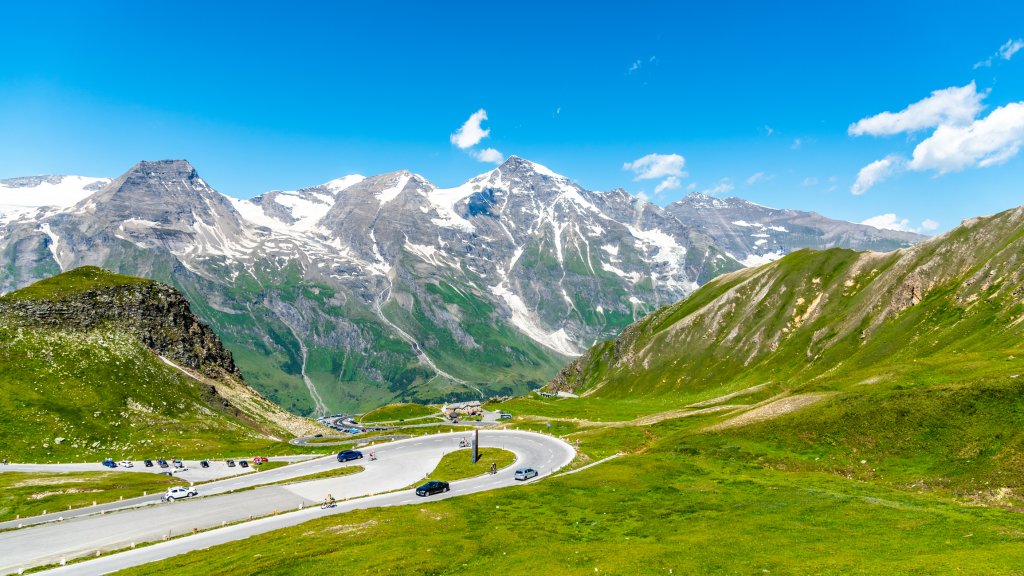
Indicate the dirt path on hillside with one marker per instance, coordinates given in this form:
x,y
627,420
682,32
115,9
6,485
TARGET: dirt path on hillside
x,y
772,409
642,420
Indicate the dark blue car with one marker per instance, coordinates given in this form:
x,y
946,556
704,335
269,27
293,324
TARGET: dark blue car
x,y
346,455
109,463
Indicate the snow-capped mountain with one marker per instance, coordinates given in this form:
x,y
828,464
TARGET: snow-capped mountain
x,y
25,197
755,234
363,290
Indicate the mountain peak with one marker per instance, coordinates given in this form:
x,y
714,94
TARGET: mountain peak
x,y
163,169
517,164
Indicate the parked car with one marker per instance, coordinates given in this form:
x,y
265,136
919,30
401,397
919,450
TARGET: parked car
x,y
259,459
346,455
318,435
525,473
109,463
148,463
179,492
163,463
204,464
432,487
178,463
353,430
243,463
231,463
505,416
126,464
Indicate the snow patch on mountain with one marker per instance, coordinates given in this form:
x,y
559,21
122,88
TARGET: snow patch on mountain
x,y
388,194
527,323
343,183
754,260
22,197
53,244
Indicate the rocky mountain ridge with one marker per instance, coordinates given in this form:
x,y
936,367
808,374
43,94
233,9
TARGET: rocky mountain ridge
x,y
364,290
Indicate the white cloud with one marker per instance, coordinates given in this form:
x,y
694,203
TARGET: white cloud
x,y
891,221
654,166
634,66
470,134
1005,52
809,181
950,106
488,155
769,130
796,144
876,172
988,141
692,186
757,177
724,185
670,183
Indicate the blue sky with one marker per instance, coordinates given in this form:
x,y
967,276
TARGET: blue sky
x,y
261,96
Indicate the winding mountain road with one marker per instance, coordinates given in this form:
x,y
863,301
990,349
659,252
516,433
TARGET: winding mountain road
x,y
399,465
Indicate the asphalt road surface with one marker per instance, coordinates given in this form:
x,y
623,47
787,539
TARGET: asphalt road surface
x,y
399,465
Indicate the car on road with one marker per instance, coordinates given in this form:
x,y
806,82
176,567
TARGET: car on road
x,y
204,464
505,416
353,430
148,463
126,464
179,492
432,487
259,459
231,463
162,463
109,463
243,463
526,473
178,463
318,435
346,455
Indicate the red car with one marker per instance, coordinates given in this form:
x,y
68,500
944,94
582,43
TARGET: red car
x,y
259,459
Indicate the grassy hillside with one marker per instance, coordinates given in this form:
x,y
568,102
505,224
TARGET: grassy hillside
x,y
396,412
79,384
658,512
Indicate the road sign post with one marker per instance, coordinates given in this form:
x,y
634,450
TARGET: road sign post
x,y
476,446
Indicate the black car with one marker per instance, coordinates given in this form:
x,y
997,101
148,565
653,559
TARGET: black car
x,y
432,487
148,463
231,463
163,463
346,455
243,463
204,464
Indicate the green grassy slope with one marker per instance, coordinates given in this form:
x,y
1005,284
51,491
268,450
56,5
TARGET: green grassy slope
x,y
69,393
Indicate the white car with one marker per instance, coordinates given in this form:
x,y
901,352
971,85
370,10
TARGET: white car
x,y
178,492
126,464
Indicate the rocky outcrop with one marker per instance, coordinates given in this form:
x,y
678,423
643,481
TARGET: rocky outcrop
x,y
157,315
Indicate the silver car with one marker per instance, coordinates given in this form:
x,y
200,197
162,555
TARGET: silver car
x,y
525,473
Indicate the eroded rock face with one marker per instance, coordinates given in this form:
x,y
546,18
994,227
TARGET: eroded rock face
x,y
157,315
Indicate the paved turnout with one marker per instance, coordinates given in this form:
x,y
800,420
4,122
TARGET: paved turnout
x,y
399,464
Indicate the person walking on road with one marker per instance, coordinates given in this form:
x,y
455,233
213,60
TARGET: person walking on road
x,y
494,467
